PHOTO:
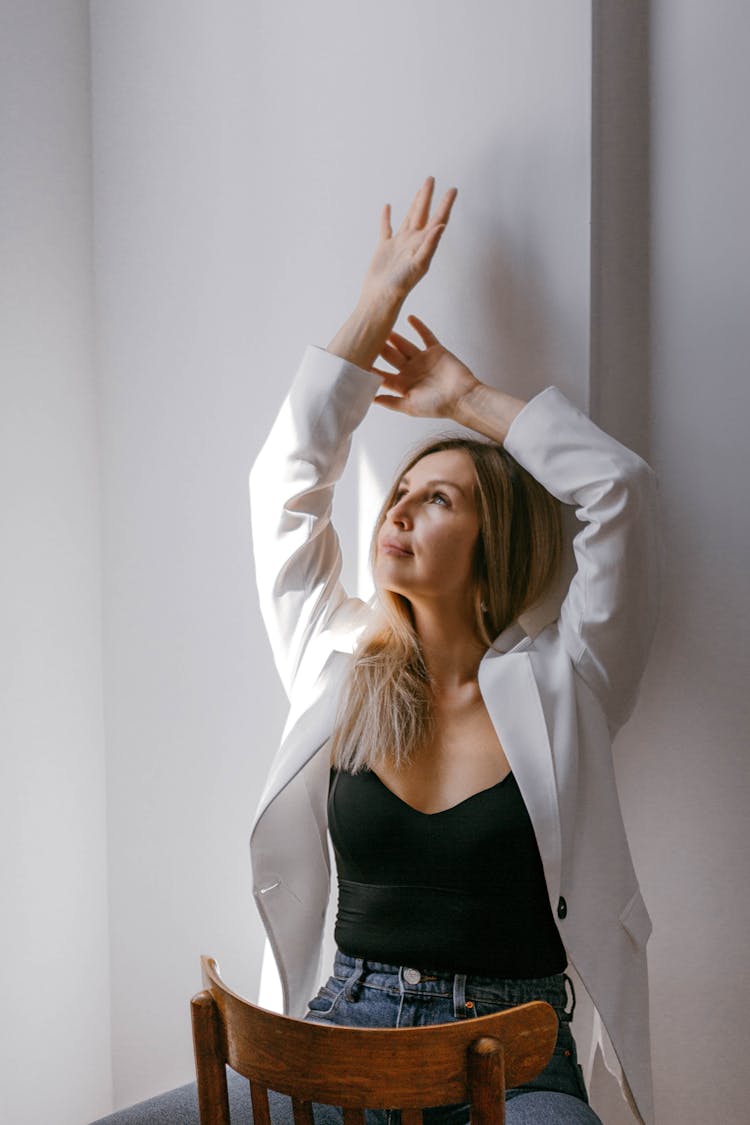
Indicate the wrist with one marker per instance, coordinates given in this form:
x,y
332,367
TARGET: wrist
x,y
487,410
379,304
363,335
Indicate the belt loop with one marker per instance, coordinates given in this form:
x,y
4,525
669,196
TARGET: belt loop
x,y
351,984
459,996
569,1015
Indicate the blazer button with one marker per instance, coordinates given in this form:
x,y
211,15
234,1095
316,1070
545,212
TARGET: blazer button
x,y
562,908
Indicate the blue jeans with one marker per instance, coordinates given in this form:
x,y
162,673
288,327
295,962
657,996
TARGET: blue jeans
x,y
370,994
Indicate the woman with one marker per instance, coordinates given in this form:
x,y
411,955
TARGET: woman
x,y
463,767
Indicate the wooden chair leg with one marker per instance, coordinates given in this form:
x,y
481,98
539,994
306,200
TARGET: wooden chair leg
x,y
487,1082
210,1068
259,1100
302,1112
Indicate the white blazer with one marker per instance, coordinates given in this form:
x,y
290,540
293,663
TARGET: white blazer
x,y
556,700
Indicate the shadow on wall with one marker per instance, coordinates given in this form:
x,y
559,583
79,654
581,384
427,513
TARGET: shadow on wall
x,y
620,222
619,376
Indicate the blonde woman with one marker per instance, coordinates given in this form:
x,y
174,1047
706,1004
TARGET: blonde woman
x,y
462,768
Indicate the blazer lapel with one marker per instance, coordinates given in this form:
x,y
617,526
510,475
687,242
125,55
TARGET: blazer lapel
x,y
511,695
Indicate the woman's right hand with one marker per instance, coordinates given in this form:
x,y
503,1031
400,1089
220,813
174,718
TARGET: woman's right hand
x,y
399,262
402,259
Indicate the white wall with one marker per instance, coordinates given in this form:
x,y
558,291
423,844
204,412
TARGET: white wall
x,y
242,156
238,152
54,1036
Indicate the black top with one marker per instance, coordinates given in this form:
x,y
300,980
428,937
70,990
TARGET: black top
x,y
461,890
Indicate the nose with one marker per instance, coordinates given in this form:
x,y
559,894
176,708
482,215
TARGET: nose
x,y
399,513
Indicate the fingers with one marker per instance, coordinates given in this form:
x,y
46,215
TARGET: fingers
x,y
397,350
404,346
429,246
394,382
393,402
443,211
386,230
419,210
416,216
420,327
393,355
398,382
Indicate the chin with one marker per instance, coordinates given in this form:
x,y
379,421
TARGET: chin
x,y
390,588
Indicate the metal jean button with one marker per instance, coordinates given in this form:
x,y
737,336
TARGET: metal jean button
x,y
412,976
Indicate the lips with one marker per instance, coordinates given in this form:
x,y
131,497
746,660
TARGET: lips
x,y
390,547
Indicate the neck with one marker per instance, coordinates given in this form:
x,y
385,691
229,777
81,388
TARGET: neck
x,y
452,651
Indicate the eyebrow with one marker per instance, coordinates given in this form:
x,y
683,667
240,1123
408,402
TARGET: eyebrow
x,y
433,483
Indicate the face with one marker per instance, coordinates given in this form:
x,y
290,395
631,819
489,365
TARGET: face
x,y
425,546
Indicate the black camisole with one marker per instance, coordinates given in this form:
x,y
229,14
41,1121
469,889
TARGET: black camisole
x,y
461,890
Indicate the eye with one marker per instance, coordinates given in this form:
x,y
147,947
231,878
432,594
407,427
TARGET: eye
x,y
441,499
397,496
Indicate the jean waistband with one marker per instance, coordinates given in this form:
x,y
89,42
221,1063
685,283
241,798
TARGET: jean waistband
x,y
426,981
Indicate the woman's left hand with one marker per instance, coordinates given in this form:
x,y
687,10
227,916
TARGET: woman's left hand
x,y
429,382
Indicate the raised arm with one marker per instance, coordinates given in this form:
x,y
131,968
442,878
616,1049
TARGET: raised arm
x,y
608,617
297,553
399,263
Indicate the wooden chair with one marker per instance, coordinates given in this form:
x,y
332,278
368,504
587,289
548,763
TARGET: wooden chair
x,y
469,1061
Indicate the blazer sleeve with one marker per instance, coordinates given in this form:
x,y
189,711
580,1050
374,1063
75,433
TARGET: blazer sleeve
x,y
296,549
608,617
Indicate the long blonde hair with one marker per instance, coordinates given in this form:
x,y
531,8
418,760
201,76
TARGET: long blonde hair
x,y
386,708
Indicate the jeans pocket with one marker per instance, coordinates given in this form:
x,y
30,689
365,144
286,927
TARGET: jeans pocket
x,y
326,998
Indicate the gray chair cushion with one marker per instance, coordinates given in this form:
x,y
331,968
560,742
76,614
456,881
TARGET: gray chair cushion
x,y
180,1107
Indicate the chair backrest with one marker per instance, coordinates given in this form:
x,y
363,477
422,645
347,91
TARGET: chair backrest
x,y
468,1061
